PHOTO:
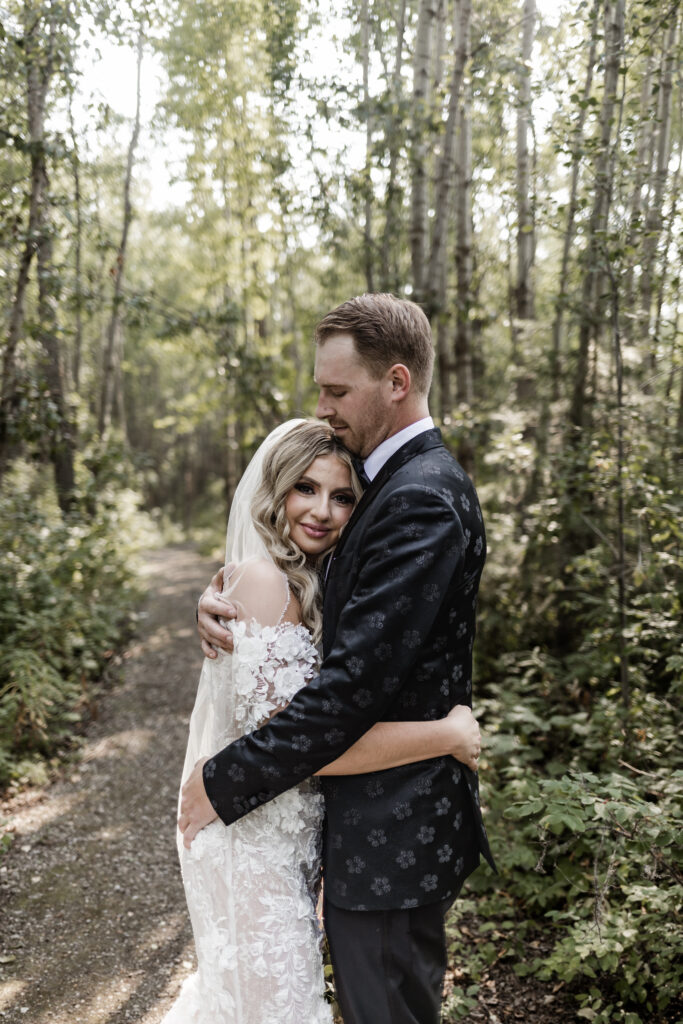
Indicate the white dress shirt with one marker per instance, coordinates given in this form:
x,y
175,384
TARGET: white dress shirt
x,y
386,449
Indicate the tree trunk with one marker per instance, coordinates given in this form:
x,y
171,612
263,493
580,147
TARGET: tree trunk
x,y
641,174
435,285
114,342
663,277
389,271
654,219
438,55
577,143
463,260
38,62
368,245
420,177
591,317
297,342
679,418
62,438
524,289
464,373
78,283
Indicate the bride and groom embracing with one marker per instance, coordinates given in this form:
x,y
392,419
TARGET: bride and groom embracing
x,y
371,752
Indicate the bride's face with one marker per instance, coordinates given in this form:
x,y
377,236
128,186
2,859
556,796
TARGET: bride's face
x,y
319,504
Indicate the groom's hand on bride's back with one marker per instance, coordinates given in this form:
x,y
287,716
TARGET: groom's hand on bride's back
x,y
210,607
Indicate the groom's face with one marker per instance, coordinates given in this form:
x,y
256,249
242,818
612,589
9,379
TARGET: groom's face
x,y
355,403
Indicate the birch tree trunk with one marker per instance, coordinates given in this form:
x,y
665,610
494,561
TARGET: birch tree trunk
x,y
524,289
590,315
642,174
439,54
577,145
368,245
464,360
420,176
663,277
389,271
435,285
679,417
463,260
113,350
78,283
654,220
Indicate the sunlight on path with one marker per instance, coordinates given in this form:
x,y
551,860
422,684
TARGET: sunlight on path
x,y
93,927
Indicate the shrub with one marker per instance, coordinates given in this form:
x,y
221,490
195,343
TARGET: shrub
x,y
66,594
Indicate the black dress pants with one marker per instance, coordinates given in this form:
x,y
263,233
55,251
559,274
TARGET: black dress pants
x,y
388,964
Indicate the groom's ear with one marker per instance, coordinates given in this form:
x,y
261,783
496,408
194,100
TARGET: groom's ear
x,y
398,376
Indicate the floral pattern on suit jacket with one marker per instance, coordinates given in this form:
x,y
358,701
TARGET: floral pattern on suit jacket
x,y
398,631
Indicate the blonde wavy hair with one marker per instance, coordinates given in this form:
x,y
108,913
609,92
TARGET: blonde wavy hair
x,y
282,468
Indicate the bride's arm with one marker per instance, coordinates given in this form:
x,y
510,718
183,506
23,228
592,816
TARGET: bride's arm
x,y
390,744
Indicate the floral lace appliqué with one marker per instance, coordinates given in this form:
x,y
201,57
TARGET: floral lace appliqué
x,y
251,887
272,663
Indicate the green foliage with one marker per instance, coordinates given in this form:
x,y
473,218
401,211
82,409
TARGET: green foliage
x,y
66,594
583,777
612,846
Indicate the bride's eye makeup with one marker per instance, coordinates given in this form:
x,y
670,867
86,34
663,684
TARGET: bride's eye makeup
x,y
341,497
345,498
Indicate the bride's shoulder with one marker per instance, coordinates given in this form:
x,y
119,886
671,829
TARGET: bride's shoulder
x,y
258,590
257,572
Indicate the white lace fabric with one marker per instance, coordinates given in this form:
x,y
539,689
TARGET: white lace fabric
x,y
251,888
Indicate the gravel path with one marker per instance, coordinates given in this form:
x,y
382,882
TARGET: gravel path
x,y
93,926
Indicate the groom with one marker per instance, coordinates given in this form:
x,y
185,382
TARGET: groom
x,y
398,630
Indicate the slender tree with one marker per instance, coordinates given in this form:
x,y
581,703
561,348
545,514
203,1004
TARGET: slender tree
x,y
111,391
590,317
654,220
576,148
422,67
524,286
388,254
368,242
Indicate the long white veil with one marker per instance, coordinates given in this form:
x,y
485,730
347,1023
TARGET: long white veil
x,y
212,717
243,540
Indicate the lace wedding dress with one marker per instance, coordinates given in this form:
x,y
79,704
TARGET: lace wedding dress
x,y
251,887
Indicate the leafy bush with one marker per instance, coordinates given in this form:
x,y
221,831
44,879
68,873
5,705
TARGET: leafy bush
x,y
581,775
613,846
66,593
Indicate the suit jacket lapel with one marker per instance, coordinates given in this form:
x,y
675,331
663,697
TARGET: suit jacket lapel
x,y
422,443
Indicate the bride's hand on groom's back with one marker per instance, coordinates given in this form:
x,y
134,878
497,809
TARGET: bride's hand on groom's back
x,y
211,606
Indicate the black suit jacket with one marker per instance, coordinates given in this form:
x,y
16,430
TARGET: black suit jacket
x,y
398,631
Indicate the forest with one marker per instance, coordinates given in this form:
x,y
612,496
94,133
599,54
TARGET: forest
x,y
185,190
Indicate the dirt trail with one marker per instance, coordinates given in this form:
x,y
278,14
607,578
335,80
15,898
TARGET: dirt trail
x,y
93,926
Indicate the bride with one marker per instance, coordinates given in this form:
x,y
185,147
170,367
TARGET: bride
x,y
251,887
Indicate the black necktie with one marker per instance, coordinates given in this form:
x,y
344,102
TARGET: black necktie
x,y
359,466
